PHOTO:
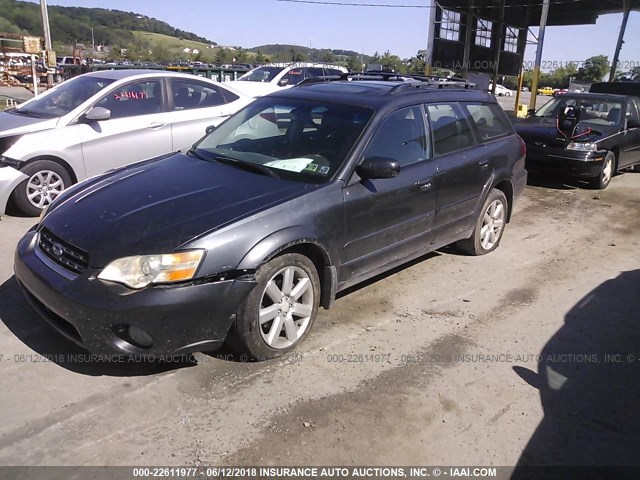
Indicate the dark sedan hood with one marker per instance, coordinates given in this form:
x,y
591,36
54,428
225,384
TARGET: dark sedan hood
x,y
154,207
545,129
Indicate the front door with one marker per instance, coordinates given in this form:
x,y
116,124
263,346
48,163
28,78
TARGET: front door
x,y
138,129
388,219
631,136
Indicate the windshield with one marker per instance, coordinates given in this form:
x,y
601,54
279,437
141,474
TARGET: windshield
x,y
595,111
64,98
298,140
261,74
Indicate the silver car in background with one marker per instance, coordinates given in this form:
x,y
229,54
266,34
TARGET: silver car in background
x,y
99,121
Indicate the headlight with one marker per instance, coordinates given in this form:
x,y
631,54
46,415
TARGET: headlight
x,y
142,270
582,147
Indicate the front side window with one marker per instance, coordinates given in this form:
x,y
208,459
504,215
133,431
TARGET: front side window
x,y
136,98
449,128
633,113
188,94
489,123
64,98
300,140
401,137
293,76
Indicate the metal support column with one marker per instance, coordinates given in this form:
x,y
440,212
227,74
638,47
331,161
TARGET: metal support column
x,y
498,48
623,27
468,38
536,69
47,35
431,31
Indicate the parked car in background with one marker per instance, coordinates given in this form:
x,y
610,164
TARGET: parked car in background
x,y
501,90
584,135
102,120
270,78
242,238
545,91
560,91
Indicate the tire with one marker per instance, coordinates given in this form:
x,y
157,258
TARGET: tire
x,y
262,341
603,180
489,227
49,176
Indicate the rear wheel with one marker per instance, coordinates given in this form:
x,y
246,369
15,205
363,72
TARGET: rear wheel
x,y
47,180
603,180
279,312
489,225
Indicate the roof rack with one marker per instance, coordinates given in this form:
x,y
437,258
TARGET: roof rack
x,y
407,81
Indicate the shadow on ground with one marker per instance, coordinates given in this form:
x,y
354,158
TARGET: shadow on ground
x,y
43,339
589,384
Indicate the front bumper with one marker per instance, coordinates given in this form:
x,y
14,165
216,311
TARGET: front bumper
x,y
566,162
10,178
93,313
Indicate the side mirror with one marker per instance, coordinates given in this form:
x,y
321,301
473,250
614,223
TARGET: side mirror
x,y
633,124
210,129
378,167
284,82
98,114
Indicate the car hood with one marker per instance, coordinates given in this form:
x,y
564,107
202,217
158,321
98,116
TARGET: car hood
x,y
545,129
13,124
159,205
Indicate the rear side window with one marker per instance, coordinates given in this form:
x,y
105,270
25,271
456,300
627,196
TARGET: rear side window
x,y
449,128
189,94
489,122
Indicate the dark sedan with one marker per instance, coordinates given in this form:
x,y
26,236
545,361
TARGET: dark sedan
x,y
300,195
588,136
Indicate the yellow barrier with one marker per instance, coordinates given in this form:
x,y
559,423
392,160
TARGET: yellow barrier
x,y
522,110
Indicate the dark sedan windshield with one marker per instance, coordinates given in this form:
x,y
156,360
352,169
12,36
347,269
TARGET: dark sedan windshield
x,y
296,139
596,111
64,98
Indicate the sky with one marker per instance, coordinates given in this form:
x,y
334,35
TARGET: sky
x,y
403,31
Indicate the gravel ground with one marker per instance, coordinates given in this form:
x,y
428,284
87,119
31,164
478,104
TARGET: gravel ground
x,y
493,360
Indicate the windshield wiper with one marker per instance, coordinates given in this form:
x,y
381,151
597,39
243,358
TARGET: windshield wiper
x,y
256,167
24,111
193,153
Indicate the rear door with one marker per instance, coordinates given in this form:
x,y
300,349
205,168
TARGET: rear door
x,y
463,167
631,137
194,106
387,219
137,130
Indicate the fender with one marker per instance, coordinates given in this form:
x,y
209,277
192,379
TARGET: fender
x,y
289,237
272,244
10,178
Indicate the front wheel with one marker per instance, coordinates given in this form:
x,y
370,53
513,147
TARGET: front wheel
x,y
46,181
489,226
279,312
603,180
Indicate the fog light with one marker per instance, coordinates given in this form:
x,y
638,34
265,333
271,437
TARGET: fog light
x,y
134,335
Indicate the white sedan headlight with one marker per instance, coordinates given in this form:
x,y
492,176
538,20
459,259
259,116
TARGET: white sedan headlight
x,y
582,147
142,270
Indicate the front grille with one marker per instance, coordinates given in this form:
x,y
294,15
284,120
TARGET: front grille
x,y
63,253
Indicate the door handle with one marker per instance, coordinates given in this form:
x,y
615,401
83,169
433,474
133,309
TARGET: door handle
x,y
156,125
483,163
424,185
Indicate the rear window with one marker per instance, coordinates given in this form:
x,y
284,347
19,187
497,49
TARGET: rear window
x,y
489,121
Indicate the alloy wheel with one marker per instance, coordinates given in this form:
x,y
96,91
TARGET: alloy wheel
x,y
43,187
492,224
286,307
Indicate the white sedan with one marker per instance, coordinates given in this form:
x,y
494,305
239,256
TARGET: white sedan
x,y
501,90
99,121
